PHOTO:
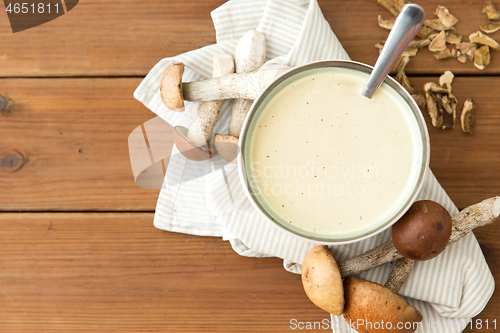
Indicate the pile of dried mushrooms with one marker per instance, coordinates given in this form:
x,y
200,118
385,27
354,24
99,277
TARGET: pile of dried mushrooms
x,y
438,35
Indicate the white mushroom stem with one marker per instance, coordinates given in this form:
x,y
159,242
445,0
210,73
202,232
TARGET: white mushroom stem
x,y
204,121
477,215
238,115
250,52
249,55
246,86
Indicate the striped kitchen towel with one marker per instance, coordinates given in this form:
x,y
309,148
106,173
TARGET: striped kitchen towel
x,y
448,290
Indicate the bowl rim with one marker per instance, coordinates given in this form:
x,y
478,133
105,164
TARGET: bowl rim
x,y
424,136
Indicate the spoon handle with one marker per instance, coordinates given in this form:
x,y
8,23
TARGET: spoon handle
x,y
407,24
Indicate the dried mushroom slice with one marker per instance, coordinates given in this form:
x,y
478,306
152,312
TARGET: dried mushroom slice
x,y
401,75
446,53
479,38
439,43
446,79
462,58
386,24
436,25
417,44
491,27
490,10
420,100
482,57
425,32
441,105
467,117
453,38
446,18
392,6
467,48
411,48
455,53
402,59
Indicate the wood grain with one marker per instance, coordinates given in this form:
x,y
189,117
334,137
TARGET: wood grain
x,y
467,166
487,238
63,148
116,273
73,134
127,38
104,38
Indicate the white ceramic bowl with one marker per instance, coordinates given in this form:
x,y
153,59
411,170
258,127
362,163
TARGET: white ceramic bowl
x,y
411,191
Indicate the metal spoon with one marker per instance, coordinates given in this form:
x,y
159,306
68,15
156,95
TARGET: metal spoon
x,y
407,24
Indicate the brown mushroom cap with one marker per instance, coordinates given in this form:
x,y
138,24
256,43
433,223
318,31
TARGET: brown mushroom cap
x,y
188,149
423,232
171,87
322,281
369,305
227,147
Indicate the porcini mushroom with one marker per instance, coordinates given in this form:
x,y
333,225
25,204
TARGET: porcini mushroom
x,y
204,121
441,105
467,118
467,48
423,232
192,142
249,55
482,57
491,11
246,86
171,87
438,43
386,24
477,215
321,280
446,18
479,38
446,79
371,307
226,146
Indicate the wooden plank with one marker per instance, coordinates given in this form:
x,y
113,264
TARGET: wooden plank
x,y
50,120
115,272
108,38
73,134
128,38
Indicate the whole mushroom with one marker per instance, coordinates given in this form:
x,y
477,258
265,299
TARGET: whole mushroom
x,y
373,308
171,87
321,280
193,142
246,86
423,232
249,55
320,273
477,215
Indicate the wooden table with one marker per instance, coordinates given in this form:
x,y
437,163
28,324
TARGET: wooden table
x,y
78,251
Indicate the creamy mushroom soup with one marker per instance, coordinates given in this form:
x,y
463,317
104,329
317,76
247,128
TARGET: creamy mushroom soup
x,y
325,160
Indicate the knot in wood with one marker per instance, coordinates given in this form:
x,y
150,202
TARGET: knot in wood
x,y
4,102
11,160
